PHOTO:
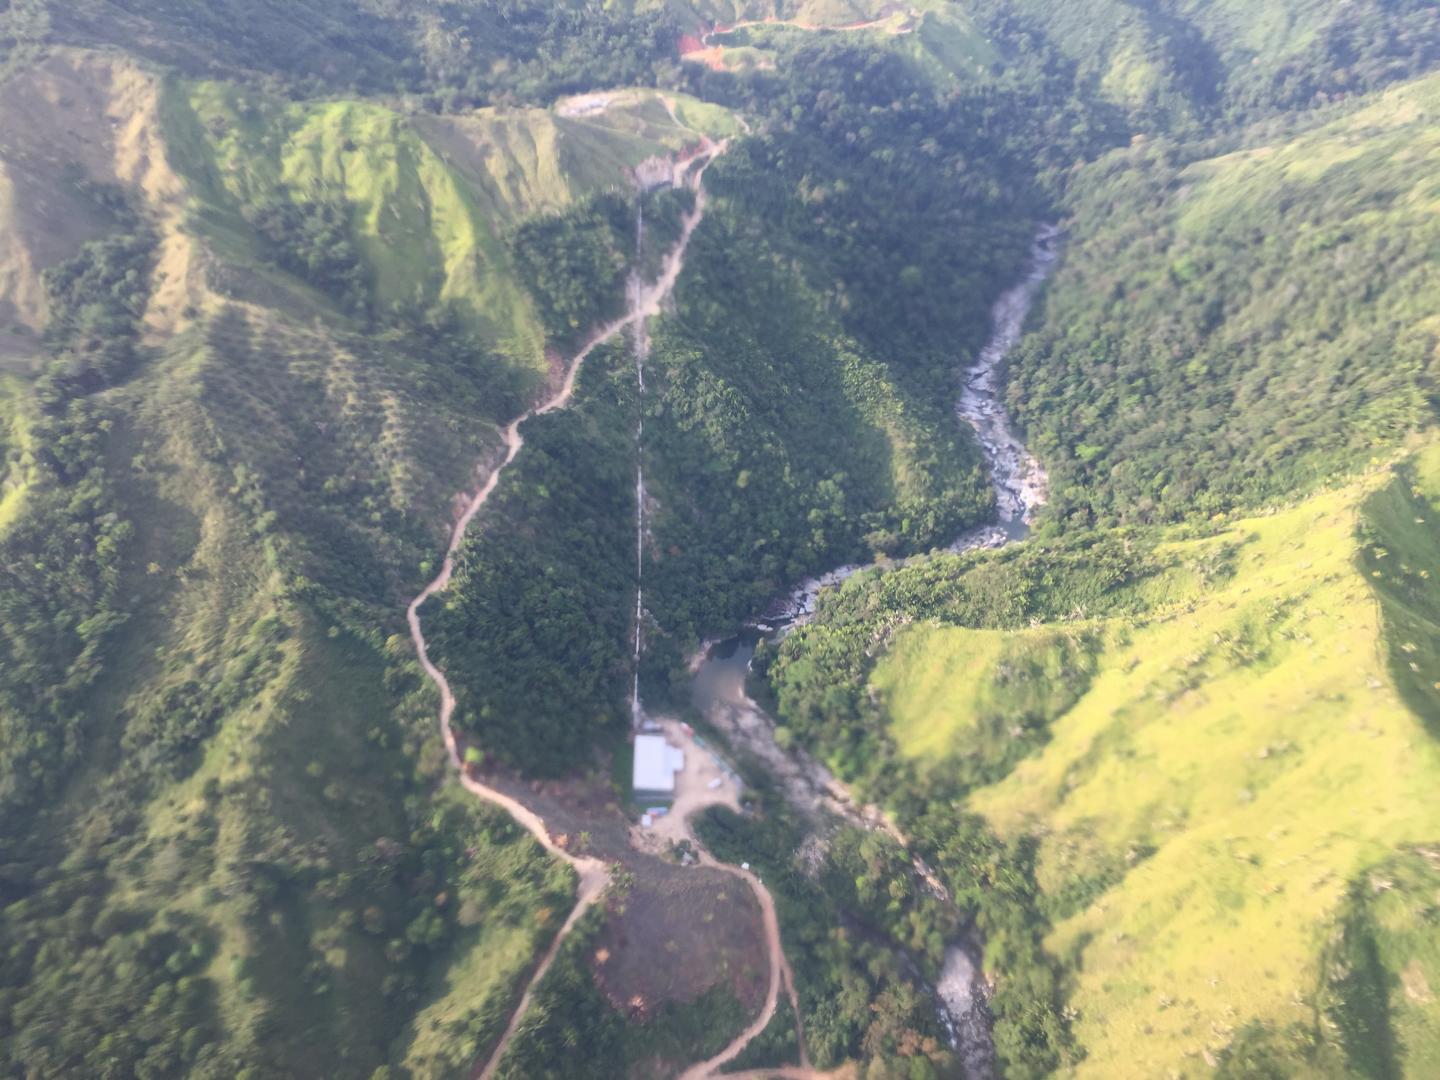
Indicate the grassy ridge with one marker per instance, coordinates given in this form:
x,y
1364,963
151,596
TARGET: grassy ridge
x,y
1222,771
428,202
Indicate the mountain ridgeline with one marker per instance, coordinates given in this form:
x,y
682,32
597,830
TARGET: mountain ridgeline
x,y
275,278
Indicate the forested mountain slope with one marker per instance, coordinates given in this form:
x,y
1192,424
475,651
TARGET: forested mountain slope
x,y
1229,328
467,52
1176,63
260,378
274,277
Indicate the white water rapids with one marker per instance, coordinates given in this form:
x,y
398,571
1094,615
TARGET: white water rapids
x,y
1020,483
719,675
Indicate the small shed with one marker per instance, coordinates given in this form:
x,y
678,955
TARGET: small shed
x,y
656,763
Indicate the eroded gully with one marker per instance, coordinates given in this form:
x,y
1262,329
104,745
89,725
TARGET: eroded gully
x,y
719,671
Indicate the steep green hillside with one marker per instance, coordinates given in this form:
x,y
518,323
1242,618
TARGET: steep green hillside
x,y
1133,54
1221,762
535,627
461,54
1230,329
780,444
1301,53
262,380
234,854
425,204
1290,758
1175,62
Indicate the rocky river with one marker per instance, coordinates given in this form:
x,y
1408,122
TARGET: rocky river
x,y
720,670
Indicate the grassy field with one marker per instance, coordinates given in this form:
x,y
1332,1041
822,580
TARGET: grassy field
x,y
1391,144
949,690
1238,761
430,200
919,680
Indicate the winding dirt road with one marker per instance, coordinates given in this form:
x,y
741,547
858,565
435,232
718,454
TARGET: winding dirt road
x,y
594,874
780,977
705,783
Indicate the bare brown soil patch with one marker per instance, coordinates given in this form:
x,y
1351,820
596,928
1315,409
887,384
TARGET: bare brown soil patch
x,y
78,117
678,933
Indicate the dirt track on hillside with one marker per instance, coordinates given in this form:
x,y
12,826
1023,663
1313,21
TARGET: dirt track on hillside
x,y
695,794
712,55
594,875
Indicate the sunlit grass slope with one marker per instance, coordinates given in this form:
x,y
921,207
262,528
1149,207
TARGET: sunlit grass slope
x,y
1238,760
430,199
1388,149
14,445
948,690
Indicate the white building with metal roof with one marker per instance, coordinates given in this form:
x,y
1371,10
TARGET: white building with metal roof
x,y
656,763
